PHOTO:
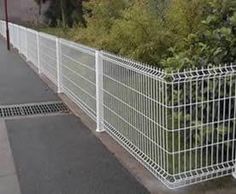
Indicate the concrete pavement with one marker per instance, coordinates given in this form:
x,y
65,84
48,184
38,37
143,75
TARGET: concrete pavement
x,y
8,177
58,155
18,83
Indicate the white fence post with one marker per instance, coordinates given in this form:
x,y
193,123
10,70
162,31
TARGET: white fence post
x,y
234,173
16,43
18,38
99,91
59,73
26,41
38,53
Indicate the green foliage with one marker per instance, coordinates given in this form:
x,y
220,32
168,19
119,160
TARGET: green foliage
x,y
141,29
214,43
100,17
135,35
172,34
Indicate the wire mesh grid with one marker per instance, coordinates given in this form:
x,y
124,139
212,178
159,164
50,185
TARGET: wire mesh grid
x,y
32,47
180,125
2,28
78,75
22,34
48,56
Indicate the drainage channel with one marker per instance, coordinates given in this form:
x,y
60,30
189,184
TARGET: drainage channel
x,y
22,110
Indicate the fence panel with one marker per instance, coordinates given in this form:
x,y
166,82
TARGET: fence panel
x,y
12,33
48,56
32,48
22,40
15,35
135,111
78,75
3,28
202,119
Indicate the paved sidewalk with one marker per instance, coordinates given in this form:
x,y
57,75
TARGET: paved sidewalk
x,y
59,155
19,83
8,178
52,154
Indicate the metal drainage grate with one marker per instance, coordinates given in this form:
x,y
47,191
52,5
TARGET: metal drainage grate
x,y
32,109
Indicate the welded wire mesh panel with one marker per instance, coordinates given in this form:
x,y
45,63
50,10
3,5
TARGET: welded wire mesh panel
x,y
12,33
32,48
48,56
3,28
22,34
135,111
78,75
201,124
180,126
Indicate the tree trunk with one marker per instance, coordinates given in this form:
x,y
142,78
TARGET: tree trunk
x,y
40,7
63,18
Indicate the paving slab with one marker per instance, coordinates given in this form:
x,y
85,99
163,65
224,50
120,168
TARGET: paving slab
x,y
9,185
59,155
18,82
6,161
8,179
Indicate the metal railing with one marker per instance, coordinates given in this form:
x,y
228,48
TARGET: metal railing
x,y
180,126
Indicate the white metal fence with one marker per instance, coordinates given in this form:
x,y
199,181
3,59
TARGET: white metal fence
x,y
180,126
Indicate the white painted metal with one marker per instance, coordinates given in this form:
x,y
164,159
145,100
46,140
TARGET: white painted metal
x,y
32,52
180,125
79,77
48,56
26,43
99,92
38,53
59,73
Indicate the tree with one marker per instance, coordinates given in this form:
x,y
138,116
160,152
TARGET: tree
x,y
141,29
100,17
40,2
140,34
65,12
172,34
